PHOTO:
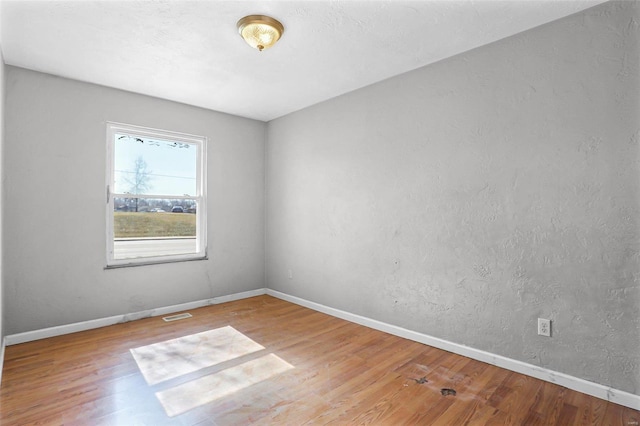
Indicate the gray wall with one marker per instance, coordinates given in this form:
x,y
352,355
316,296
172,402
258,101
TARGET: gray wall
x,y
2,100
54,204
468,198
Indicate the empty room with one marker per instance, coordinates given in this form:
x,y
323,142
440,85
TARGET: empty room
x,y
317,212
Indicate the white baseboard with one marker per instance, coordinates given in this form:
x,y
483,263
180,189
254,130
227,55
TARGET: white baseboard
x,y
29,336
590,388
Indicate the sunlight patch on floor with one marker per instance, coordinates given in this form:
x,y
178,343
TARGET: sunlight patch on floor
x,y
182,398
167,360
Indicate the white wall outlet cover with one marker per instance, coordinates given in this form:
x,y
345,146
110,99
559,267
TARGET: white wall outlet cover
x,y
544,327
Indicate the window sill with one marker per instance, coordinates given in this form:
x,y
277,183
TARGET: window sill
x,y
153,262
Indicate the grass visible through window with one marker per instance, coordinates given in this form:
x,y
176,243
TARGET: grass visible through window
x,y
148,225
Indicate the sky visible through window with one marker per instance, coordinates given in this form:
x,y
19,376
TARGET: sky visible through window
x,y
170,166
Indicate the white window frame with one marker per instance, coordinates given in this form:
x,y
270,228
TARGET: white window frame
x,y
200,142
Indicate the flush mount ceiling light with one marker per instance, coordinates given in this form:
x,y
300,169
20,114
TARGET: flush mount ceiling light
x,y
259,31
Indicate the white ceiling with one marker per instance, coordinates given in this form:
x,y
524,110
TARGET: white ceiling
x,y
190,51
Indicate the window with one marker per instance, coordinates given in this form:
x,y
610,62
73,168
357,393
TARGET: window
x,y
156,196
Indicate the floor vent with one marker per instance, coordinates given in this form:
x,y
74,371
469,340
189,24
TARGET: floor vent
x,y
176,317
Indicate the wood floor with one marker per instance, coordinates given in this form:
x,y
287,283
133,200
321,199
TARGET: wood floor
x,y
342,373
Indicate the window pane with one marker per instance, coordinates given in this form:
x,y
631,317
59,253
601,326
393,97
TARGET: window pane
x,y
154,166
156,203
153,227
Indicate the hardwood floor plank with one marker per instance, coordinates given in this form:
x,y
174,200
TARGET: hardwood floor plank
x,y
547,405
516,395
343,373
567,415
487,415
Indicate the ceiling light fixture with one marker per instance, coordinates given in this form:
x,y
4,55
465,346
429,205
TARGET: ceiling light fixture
x,y
259,31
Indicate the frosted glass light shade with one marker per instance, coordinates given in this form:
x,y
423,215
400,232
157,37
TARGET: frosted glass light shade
x,y
259,31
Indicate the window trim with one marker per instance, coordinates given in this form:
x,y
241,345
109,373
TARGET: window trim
x,y
200,143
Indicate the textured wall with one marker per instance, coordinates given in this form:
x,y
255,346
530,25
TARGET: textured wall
x,y
2,90
468,198
54,215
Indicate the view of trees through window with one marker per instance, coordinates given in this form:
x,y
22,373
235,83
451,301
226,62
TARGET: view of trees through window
x,y
154,196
